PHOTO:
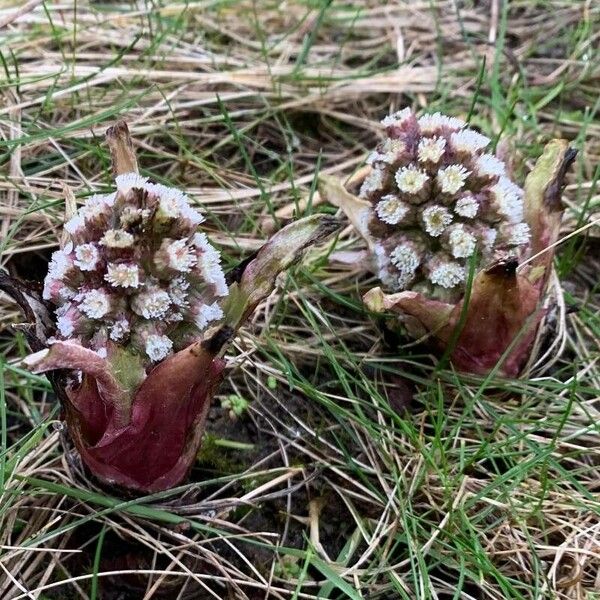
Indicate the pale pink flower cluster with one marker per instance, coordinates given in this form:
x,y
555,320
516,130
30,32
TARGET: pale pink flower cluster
x,y
438,201
136,272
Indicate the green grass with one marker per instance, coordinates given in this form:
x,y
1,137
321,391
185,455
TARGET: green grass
x,y
480,487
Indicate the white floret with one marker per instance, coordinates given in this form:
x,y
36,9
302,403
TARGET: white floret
x,y
509,200
191,214
467,206
519,234
435,219
119,330
209,263
97,204
122,275
75,224
95,304
178,290
452,178
447,274
383,264
217,279
117,238
207,313
431,149
65,325
432,123
129,181
87,257
391,150
391,210
462,243
375,157
406,259
59,265
158,347
169,207
201,241
468,140
373,182
151,304
488,165
410,179
488,236
180,256
397,118
174,203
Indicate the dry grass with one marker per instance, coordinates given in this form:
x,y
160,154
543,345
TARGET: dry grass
x,y
330,486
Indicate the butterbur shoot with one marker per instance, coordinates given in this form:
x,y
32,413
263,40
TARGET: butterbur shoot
x,y
436,203
136,313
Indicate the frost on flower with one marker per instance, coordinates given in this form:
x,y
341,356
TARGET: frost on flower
x,y
137,263
443,192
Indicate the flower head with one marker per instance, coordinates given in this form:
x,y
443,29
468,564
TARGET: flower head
x,y
444,191
137,263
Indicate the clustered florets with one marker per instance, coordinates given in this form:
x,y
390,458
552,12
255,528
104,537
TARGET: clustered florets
x,y
136,272
438,199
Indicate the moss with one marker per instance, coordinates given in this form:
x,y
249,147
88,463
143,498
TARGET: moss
x,y
214,456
